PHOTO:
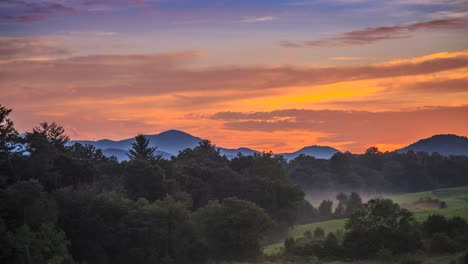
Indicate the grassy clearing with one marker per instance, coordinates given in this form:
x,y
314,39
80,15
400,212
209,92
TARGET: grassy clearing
x,y
425,259
455,198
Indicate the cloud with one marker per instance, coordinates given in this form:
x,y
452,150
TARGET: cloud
x,y
115,75
353,126
27,48
34,11
257,19
347,58
378,34
437,86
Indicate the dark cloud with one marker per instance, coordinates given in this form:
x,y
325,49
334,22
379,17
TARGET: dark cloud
x,y
378,34
24,48
439,86
33,11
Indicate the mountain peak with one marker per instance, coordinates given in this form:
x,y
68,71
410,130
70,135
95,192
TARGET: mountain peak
x,y
445,144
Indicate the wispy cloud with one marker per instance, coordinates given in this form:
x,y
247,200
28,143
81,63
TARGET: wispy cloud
x,y
378,34
29,48
347,58
257,19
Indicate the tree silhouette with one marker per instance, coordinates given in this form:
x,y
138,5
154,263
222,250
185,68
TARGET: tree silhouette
x,y
8,138
141,150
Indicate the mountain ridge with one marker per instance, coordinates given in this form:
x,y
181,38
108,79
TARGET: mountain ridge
x,y
170,142
444,144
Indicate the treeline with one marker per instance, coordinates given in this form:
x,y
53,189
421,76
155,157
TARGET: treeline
x,y
71,204
375,171
383,232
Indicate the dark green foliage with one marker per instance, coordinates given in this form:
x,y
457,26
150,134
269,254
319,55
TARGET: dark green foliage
x,y
442,243
28,226
381,224
144,179
141,150
325,208
25,203
319,233
307,213
109,228
354,203
9,141
289,244
232,229
435,224
376,171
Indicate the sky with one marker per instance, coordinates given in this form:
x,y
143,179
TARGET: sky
x,y
269,75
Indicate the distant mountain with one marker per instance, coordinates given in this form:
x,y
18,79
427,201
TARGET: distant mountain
x,y
121,154
319,152
232,153
170,142
443,144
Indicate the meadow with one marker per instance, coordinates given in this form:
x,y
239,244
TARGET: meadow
x,y
456,200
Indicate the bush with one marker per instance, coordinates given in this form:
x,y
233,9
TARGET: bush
x,y
319,233
442,243
464,259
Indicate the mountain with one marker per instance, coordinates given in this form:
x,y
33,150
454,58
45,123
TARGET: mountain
x,y
170,142
319,152
121,154
232,153
443,144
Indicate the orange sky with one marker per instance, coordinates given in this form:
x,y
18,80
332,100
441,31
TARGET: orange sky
x,y
248,76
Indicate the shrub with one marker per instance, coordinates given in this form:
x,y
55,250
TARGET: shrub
x,y
442,243
319,233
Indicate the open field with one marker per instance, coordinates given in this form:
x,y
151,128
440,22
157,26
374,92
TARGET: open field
x,y
432,259
455,198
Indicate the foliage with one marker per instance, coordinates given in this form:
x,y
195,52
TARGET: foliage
x,y
375,171
141,150
232,228
381,224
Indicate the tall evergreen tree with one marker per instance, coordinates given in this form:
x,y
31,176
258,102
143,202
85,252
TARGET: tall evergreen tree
x,y
8,139
141,150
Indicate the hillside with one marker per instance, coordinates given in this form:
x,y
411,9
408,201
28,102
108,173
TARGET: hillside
x,y
443,144
455,198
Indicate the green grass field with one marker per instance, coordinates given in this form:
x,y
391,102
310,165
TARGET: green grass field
x,y
455,198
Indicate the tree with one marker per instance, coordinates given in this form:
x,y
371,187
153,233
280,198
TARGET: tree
x,y
140,149
353,203
144,179
47,134
319,233
232,228
8,140
325,208
435,224
381,224
442,243
340,210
